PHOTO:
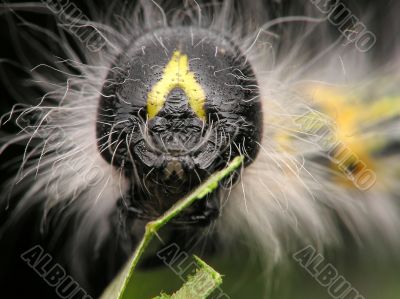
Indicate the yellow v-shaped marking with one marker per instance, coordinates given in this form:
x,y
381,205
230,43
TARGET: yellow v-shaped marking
x,y
177,74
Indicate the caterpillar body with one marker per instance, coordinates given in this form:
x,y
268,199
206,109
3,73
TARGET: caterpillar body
x,y
171,92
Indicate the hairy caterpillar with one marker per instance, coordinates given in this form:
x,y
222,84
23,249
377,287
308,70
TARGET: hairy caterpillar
x,y
113,140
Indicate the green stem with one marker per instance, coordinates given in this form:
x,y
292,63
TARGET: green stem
x,y
152,227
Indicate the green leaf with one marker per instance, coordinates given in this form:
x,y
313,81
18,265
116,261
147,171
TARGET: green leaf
x,y
198,286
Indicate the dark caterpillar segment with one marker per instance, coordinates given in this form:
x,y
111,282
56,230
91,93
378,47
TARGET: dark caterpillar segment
x,y
183,102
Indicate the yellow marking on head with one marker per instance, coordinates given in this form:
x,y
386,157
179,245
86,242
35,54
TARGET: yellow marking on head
x,y
177,74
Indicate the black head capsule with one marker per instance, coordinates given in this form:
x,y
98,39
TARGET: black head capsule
x,y
179,104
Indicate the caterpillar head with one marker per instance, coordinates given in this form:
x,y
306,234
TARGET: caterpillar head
x,y
178,105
